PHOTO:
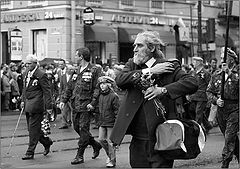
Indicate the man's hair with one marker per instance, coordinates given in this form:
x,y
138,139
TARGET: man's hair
x,y
152,38
85,52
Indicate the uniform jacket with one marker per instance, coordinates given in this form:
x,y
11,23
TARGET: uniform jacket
x,y
231,87
81,89
177,83
203,77
37,94
108,108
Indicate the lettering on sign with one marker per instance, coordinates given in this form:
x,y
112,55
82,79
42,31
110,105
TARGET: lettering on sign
x,y
138,19
88,16
28,17
53,15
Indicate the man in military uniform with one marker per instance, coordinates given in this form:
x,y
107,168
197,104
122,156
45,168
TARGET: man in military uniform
x,y
198,100
228,107
81,91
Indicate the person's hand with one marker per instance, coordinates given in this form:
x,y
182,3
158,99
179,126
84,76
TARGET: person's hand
x,y
61,105
22,105
165,67
188,98
231,53
220,102
90,107
154,91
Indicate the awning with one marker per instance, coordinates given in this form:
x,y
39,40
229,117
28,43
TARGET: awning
x,y
219,40
99,34
127,35
167,37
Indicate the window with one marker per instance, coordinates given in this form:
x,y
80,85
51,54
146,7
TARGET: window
x,y
38,3
40,43
206,2
156,6
6,4
94,3
126,4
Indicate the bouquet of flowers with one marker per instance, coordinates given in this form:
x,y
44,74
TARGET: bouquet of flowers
x,y
45,125
143,83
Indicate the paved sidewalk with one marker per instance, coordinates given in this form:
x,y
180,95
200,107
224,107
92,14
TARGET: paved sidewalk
x,y
64,139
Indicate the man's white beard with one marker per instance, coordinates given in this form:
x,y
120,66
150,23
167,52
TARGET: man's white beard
x,y
138,60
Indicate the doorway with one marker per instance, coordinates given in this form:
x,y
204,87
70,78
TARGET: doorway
x,y
5,54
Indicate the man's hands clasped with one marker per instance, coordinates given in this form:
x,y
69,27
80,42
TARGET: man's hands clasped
x,y
165,67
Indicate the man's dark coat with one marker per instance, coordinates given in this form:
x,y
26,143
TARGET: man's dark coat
x,y
37,94
177,84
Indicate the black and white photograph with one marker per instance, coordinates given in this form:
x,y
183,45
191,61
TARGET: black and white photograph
x,y
119,84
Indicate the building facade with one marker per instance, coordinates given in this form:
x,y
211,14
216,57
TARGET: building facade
x,y
55,29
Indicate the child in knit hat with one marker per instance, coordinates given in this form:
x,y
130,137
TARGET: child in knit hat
x,y
108,109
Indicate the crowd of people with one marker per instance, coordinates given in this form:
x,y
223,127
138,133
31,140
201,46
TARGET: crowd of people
x,y
89,91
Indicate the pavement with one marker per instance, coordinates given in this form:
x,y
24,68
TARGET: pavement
x,y
65,146
64,139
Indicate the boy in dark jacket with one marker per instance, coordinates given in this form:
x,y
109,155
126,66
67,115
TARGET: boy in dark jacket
x,y
108,108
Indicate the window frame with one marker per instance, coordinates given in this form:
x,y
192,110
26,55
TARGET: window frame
x,y
40,3
127,7
7,6
156,10
94,4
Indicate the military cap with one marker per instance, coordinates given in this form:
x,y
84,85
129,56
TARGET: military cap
x,y
197,58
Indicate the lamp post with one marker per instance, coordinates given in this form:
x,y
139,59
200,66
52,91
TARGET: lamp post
x,y
192,45
199,28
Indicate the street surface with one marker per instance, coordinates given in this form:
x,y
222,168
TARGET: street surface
x,y
65,146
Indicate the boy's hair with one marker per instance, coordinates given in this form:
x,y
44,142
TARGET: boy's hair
x,y
85,52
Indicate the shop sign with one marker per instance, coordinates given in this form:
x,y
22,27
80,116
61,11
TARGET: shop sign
x,y
16,44
88,16
29,17
25,17
157,21
53,15
138,19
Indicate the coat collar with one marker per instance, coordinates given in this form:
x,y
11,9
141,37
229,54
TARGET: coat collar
x,y
89,66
